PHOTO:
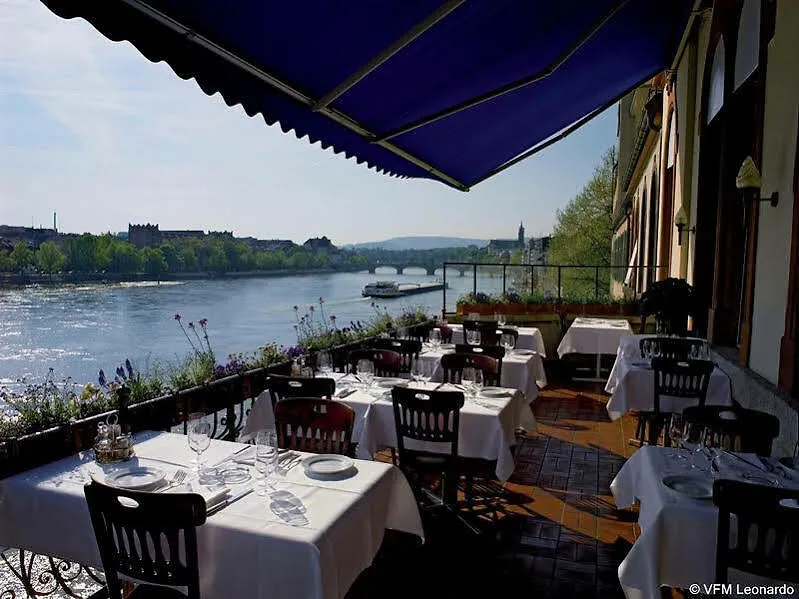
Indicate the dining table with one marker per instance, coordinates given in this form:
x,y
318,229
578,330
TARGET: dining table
x,y
631,384
677,544
302,537
487,429
597,336
529,338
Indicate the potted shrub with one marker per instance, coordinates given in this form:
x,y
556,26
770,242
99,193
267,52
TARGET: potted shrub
x,y
670,301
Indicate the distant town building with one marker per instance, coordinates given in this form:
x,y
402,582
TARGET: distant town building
x,y
498,246
148,235
268,245
319,243
34,237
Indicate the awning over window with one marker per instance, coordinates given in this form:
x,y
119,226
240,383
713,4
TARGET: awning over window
x,y
448,90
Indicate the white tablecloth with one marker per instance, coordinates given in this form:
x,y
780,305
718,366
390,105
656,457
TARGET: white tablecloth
x,y
677,546
529,338
245,549
487,426
632,387
593,336
521,369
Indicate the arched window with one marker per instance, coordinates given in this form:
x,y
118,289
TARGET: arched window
x,y
747,50
671,150
715,96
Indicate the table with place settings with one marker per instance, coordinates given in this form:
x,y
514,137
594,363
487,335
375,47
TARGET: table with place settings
x,y
677,544
529,338
249,548
522,369
487,424
597,336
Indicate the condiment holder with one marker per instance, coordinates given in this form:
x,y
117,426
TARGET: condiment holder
x,y
111,444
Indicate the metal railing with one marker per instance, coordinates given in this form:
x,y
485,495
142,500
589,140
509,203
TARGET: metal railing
x,y
548,282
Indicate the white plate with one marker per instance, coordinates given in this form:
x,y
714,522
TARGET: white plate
x,y
447,346
495,392
728,415
327,464
391,382
692,486
139,478
524,352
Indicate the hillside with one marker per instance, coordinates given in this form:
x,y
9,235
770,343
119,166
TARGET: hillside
x,y
429,242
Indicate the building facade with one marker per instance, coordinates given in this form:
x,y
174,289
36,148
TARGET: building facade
x,y
706,190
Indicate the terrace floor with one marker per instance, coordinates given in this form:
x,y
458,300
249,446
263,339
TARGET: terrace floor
x,y
560,534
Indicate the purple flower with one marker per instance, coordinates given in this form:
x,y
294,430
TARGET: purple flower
x,y
120,372
129,368
177,317
296,308
101,378
191,325
203,322
310,308
321,301
333,317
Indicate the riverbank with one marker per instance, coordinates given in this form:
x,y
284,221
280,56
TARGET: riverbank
x,y
9,280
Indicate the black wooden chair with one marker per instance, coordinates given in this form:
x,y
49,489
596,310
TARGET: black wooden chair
x,y
508,331
164,551
386,362
314,425
758,530
452,366
732,428
433,417
281,387
492,351
446,333
408,350
685,380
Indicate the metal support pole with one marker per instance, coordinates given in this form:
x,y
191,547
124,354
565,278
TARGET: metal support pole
x,y
474,278
596,284
504,273
444,307
532,279
559,279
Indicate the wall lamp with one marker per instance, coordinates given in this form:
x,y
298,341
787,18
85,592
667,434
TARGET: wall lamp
x,y
654,111
748,181
681,222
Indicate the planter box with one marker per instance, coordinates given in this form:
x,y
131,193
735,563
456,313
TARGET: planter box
x,y
550,308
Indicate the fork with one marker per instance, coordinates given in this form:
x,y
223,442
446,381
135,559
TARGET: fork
x,y
178,478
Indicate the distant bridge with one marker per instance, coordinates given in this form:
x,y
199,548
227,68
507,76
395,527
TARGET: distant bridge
x,y
430,268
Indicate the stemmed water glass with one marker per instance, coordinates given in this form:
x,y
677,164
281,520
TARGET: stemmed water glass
x,y
365,369
419,373
677,435
473,337
266,451
472,379
324,363
199,437
501,320
508,341
435,338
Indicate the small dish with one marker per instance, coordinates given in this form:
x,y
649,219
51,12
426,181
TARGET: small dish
x,y
391,382
524,352
234,474
692,486
327,465
447,346
495,392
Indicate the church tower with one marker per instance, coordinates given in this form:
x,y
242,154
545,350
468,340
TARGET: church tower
x,y
521,233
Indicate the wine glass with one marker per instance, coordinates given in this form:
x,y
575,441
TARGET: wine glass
x,y
501,320
199,437
419,373
265,457
473,337
435,338
365,369
508,341
324,363
677,435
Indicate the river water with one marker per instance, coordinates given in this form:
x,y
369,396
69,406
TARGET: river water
x,y
76,330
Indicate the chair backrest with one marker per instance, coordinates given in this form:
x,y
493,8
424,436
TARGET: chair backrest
x,y
674,348
151,537
408,350
492,351
446,333
758,530
732,428
432,416
452,366
488,329
314,425
508,331
281,387
387,362
686,379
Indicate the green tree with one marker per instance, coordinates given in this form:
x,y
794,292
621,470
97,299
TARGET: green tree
x,y
6,264
21,256
187,258
49,258
153,261
584,230
172,257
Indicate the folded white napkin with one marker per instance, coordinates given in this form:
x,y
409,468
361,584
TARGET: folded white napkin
x,y
212,495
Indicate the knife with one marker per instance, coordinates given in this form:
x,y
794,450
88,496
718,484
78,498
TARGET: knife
x,y
232,499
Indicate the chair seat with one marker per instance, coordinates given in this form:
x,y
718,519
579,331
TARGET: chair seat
x,y
146,591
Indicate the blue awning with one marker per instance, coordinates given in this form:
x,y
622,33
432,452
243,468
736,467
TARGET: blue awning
x,y
449,90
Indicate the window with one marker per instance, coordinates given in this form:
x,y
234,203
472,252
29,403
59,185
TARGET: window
x,y
715,97
747,50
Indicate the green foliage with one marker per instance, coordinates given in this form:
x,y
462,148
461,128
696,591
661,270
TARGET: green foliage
x,y
50,258
153,261
21,256
584,230
538,298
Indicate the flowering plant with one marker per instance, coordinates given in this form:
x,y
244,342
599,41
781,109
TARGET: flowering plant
x,y
671,301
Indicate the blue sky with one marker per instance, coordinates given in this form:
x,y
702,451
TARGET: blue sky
x,y
91,129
